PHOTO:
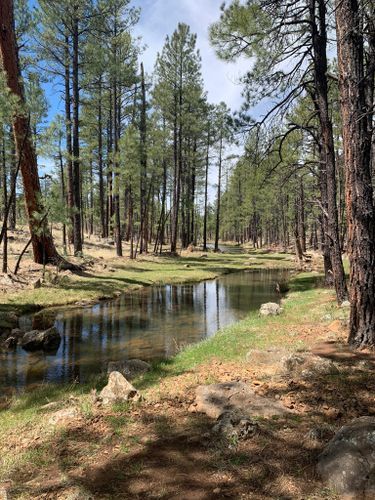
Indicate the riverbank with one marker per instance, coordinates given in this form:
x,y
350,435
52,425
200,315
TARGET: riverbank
x,y
107,277
158,448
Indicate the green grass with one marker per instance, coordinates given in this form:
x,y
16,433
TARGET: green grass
x,y
306,302
123,276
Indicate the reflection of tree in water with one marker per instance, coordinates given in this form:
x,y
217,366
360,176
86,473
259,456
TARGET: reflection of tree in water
x,y
149,324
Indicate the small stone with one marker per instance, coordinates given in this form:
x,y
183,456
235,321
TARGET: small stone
x,y
118,389
10,343
270,309
37,284
345,304
63,416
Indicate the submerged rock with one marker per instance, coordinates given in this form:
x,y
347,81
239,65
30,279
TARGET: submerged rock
x,y
130,368
35,340
347,464
270,309
118,389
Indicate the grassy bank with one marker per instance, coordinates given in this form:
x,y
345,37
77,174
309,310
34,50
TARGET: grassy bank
x,y
119,445
105,279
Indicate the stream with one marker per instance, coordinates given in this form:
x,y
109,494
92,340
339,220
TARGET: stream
x,y
151,324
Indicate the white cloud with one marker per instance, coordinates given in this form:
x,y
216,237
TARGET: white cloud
x,y
160,18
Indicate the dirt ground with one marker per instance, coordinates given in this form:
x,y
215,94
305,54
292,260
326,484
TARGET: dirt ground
x,y
158,448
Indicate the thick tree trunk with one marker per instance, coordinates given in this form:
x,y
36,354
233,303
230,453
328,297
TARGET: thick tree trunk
x,y
357,156
332,233
43,246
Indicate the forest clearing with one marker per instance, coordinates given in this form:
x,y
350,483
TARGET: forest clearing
x,y
187,247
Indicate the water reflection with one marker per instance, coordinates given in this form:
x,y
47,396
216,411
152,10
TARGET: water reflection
x,y
151,324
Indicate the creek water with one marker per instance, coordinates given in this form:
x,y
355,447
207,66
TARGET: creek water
x,y
150,324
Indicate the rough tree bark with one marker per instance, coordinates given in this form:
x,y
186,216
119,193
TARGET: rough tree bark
x,y
357,156
42,242
332,233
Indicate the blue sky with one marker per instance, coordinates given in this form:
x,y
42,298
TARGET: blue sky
x,y
160,18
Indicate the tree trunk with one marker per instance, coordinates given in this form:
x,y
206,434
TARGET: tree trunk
x,y
77,225
143,162
217,229
100,163
206,191
332,234
357,157
43,246
68,138
5,202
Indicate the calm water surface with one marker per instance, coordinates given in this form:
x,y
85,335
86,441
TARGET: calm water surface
x,y
151,324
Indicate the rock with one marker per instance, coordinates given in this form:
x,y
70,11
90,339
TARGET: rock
x,y
326,317
291,362
35,340
347,464
216,399
320,433
118,389
319,366
130,368
10,343
345,304
17,333
308,365
63,416
235,425
270,309
37,284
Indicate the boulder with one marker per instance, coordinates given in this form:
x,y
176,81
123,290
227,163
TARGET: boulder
x,y
118,389
216,399
308,365
270,309
47,340
130,368
347,464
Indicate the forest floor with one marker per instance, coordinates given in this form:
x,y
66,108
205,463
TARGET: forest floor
x,y
56,443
